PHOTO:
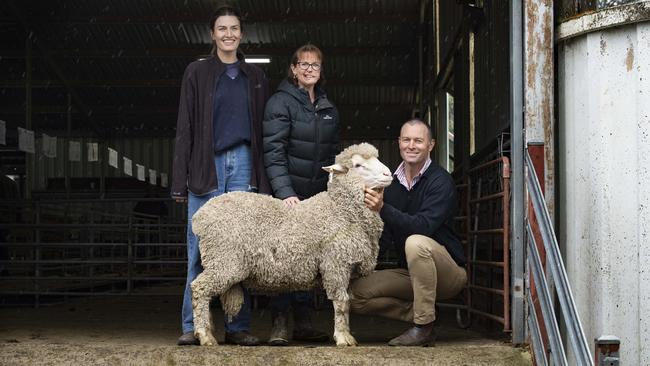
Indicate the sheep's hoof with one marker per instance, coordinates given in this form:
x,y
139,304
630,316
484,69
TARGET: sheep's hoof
x,y
205,338
344,339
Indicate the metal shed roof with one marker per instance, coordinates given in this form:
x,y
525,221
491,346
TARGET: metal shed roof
x,y
121,61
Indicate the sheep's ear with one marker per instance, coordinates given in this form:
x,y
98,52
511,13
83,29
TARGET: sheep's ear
x,y
335,169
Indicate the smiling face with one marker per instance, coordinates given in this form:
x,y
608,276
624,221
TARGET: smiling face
x,y
307,79
415,145
226,35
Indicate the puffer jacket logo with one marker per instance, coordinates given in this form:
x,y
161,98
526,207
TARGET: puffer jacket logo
x,y
327,116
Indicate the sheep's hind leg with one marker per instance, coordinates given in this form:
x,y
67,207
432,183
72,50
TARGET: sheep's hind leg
x,y
342,334
203,290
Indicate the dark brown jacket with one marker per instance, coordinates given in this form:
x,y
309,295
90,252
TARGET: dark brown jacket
x,y
193,166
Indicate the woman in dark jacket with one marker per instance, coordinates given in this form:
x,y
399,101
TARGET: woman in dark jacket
x,y
301,136
218,147
301,130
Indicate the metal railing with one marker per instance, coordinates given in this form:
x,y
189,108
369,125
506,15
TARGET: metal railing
x,y
62,248
555,264
482,222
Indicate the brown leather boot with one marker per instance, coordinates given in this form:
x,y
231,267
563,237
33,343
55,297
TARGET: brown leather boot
x,y
423,335
188,339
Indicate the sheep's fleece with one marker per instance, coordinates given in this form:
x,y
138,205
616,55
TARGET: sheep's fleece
x,y
256,239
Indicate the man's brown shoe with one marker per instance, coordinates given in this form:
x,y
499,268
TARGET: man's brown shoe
x,y
243,338
188,339
416,336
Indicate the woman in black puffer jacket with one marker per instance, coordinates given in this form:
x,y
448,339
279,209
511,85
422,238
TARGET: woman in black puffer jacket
x,y
301,130
301,135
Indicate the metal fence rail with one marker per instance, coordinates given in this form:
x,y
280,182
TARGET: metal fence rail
x,y
483,222
555,264
60,248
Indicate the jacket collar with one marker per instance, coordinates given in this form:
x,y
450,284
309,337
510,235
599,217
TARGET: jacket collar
x,y
301,94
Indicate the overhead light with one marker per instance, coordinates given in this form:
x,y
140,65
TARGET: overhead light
x,y
258,60
250,60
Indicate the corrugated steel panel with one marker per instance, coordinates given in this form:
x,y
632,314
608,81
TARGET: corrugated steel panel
x,y
125,59
450,19
492,62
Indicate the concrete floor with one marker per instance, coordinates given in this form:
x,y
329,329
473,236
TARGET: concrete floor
x,y
143,329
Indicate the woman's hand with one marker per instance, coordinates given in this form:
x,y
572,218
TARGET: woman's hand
x,y
291,202
374,200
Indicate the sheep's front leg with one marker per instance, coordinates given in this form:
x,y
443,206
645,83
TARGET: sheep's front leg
x,y
342,334
336,280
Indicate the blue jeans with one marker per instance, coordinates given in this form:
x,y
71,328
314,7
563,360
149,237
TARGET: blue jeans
x,y
300,301
233,174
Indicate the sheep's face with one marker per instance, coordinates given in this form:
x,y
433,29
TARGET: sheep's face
x,y
373,173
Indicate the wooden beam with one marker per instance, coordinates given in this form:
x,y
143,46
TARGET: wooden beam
x,y
152,110
195,51
379,82
385,20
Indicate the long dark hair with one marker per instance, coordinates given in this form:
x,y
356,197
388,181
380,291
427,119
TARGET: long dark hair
x,y
225,10
294,62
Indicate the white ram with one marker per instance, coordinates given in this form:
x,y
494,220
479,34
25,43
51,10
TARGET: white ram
x,y
256,240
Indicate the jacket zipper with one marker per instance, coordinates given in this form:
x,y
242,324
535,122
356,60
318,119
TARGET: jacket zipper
x,y
251,126
316,142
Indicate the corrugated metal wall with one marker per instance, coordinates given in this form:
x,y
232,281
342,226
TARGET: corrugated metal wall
x,y
491,77
492,62
449,21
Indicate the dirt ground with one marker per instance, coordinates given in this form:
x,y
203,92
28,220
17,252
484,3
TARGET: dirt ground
x,y
142,330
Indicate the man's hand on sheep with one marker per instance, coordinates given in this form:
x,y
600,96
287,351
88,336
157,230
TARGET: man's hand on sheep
x,y
291,201
374,199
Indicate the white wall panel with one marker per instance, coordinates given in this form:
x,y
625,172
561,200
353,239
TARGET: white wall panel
x,y
604,162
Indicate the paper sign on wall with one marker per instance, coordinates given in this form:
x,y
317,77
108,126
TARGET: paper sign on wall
x,y
140,169
74,153
25,140
3,132
128,166
112,157
152,176
49,146
93,152
163,179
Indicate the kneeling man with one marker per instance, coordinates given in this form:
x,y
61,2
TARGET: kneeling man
x,y
417,209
